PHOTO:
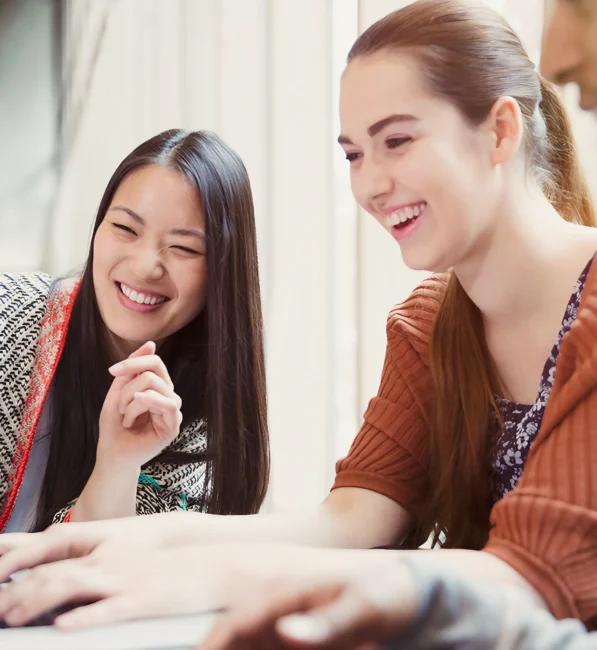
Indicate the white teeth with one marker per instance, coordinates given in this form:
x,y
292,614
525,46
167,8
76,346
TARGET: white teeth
x,y
140,298
405,214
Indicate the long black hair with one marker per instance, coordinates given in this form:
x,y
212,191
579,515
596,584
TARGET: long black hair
x,y
216,362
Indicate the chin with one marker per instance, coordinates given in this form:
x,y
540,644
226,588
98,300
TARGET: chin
x,y
131,333
422,260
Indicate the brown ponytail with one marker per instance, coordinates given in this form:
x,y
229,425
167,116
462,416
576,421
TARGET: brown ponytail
x,y
568,190
471,57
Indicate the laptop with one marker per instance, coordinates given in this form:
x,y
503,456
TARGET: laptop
x,y
173,633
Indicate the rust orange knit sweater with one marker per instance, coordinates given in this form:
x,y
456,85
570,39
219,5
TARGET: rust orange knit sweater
x,y
546,528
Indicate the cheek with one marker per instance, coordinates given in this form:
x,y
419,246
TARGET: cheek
x,y
102,254
455,176
191,285
356,188
108,251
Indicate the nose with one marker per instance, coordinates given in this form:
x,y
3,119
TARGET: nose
x,y
374,179
148,263
561,51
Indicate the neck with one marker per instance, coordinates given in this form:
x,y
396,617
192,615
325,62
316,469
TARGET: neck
x,y
512,268
118,349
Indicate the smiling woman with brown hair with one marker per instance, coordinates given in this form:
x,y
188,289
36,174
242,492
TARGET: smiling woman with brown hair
x,y
139,387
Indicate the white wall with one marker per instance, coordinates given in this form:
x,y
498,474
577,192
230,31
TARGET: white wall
x,y
27,132
263,74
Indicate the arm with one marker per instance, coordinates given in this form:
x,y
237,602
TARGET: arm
x,y
381,471
110,493
160,488
140,417
406,605
546,528
461,613
348,518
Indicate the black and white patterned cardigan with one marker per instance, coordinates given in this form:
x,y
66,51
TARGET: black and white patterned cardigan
x,y
34,317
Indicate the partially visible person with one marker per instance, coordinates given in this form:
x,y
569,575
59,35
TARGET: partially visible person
x,y
569,50
138,387
410,605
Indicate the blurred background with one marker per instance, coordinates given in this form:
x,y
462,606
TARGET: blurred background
x,y
82,82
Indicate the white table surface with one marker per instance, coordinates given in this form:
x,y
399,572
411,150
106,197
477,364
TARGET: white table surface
x,y
176,633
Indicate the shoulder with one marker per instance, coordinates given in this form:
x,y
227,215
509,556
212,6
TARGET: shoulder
x,y
581,340
576,369
23,289
413,319
23,304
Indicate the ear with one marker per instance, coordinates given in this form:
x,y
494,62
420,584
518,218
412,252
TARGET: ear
x,y
505,128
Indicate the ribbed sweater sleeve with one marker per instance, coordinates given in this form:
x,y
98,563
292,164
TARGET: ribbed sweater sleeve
x,y
390,452
546,528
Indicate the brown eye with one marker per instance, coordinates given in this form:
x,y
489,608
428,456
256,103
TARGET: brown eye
x,y
394,143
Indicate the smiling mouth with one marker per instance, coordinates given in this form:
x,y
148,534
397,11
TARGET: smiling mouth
x,y
139,297
405,216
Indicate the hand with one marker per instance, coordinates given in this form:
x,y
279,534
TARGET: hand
x,y
65,541
131,581
318,612
141,413
122,583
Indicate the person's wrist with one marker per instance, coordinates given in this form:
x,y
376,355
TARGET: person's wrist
x,y
115,466
177,528
397,594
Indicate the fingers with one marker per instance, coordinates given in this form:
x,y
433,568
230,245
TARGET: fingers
x,y
147,348
244,629
47,587
26,551
346,620
121,378
253,622
164,411
113,609
145,381
370,609
11,541
137,365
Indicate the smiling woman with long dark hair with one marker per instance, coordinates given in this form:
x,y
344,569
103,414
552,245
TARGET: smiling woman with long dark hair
x,y
139,387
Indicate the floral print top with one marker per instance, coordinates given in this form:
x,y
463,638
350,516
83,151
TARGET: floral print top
x,y
522,422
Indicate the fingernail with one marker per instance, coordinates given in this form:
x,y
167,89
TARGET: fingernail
x,y
304,628
116,368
